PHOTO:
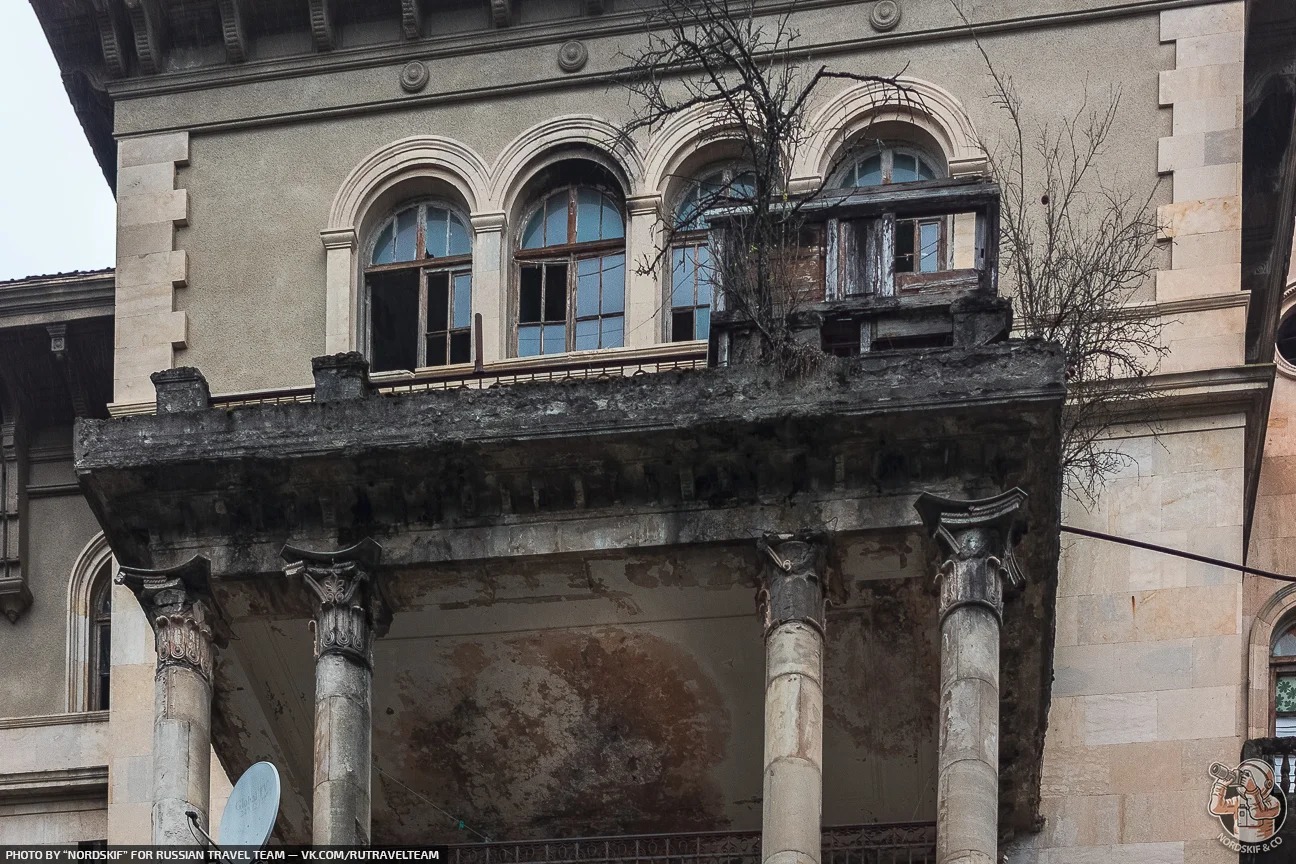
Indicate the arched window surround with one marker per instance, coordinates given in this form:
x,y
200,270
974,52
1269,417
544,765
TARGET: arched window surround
x,y
93,571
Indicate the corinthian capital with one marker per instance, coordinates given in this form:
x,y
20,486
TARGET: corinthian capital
x,y
792,586
350,609
978,538
179,607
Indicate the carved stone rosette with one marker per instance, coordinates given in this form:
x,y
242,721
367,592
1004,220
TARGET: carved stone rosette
x,y
179,606
350,609
978,537
792,586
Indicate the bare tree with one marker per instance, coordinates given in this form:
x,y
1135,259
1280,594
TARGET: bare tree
x,y
1075,251
746,76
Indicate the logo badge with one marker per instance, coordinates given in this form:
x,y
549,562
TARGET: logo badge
x,y
1250,806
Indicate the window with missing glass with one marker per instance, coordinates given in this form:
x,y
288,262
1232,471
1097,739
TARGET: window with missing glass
x,y
691,273
419,288
921,245
571,273
1282,678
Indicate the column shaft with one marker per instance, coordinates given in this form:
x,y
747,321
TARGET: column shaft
x,y
343,747
181,754
967,792
978,537
793,787
180,609
350,612
792,609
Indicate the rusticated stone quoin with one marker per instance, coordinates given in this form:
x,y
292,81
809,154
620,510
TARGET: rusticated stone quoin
x,y
791,602
978,538
178,605
349,614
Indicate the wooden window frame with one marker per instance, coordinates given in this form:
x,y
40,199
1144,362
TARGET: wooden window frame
x,y
567,254
99,663
450,265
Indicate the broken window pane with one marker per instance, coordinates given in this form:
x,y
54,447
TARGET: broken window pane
x,y
438,301
555,293
682,325
529,294
460,347
394,317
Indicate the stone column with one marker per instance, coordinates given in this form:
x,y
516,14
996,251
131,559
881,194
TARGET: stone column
x,y
791,602
349,612
978,537
180,610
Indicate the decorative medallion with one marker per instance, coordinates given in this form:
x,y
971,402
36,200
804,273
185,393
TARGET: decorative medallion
x,y
572,56
414,76
885,15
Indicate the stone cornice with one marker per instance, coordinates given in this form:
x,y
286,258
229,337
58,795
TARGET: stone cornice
x,y
54,719
552,33
51,299
32,786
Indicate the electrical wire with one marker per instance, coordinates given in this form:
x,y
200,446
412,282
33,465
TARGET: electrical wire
x,y
454,820
1166,550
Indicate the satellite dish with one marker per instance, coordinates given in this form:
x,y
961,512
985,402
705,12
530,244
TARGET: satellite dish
x,y
252,807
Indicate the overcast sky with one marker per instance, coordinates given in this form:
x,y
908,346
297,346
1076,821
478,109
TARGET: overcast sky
x,y
56,211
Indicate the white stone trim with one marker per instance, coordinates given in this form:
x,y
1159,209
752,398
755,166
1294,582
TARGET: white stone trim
x,y
526,154
921,104
89,564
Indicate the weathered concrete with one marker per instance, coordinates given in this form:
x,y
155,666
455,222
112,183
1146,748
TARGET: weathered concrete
x,y
979,536
792,608
181,614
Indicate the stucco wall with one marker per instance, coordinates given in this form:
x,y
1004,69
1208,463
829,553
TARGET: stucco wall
x,y
258,197
60,525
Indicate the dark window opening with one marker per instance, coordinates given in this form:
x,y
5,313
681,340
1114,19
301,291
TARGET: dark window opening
x,y
841,338
910,343
101,644
393,314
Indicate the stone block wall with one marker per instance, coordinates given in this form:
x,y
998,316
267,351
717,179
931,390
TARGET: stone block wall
x,y
1148,683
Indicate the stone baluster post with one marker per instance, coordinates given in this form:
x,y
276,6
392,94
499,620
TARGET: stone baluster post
x,y
179,607
791,602
978,537
349,613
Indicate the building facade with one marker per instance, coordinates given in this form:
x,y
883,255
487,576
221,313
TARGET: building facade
x,y
543,509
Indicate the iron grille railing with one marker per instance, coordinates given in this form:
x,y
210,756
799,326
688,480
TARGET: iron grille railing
x,y
893,843
612,365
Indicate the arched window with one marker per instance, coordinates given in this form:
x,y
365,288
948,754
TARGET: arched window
x,y
691,276
1282,683
571,273
921,244
419,285
100,659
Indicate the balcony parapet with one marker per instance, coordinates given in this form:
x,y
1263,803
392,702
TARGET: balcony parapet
x,y
892,843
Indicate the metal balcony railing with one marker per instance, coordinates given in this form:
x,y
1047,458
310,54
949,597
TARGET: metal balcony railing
x,y
1281,753
562,367
893,843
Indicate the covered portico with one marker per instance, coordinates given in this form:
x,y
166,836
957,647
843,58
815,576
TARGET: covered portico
x,y
598,607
